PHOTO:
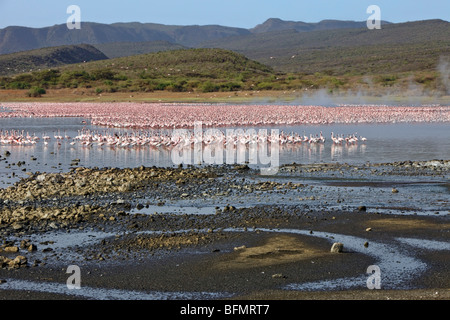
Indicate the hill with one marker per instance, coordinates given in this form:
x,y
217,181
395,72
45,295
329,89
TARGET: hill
x,y
125,49
45,58
274,24
399,47
205,70
15,39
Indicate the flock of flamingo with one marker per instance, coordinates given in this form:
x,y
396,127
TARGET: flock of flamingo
x,y
149,121
159,138
160,115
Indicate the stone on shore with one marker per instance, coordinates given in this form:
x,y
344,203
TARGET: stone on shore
x,y
337,247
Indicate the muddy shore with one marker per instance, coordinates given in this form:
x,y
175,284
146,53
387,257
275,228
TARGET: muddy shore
x,y
263,237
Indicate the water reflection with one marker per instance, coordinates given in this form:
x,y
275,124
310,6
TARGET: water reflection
x,y
386,143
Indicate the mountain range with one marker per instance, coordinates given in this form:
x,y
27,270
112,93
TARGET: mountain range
x,y
334,47
16,38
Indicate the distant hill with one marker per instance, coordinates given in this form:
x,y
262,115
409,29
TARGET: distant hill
x,y
45,58
15,39
125,49
396,47
274,24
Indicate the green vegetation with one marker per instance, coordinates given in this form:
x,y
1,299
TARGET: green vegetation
x,y
205,70
126,49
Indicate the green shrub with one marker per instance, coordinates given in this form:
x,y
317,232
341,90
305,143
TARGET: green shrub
x,y
230,86
103,74
208,86
19,85
47,76
387,80
36,92
178,86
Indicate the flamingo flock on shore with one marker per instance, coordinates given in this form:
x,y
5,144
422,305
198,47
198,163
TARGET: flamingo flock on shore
x,y
176,115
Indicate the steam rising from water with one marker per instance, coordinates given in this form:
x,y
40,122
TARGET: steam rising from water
x,y
444,70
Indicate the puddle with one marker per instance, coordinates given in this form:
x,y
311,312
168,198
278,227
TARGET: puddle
x,y
425,244
63,244
397,267
107,294
175,210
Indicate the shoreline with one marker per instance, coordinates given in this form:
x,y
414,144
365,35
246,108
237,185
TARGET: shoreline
x,y
243,249
306,97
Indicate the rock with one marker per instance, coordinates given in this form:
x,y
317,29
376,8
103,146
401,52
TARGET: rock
x,y
23,244
53,225
239,248
11,249
20,260
125,187
242,167
366,244
32,248
337,247
17,226
4,261
17,262
362,208
368,229
29,195
278,276
394,190
7,153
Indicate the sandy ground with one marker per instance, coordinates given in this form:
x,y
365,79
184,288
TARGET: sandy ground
x,y
267,96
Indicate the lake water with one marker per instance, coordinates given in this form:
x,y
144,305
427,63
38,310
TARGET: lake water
x,y
385,143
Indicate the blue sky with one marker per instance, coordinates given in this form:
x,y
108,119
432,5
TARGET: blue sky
x,y
235,13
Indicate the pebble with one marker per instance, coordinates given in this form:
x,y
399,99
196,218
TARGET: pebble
x,y
337,247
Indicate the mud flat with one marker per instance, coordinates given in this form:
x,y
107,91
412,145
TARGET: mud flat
x,y
227,232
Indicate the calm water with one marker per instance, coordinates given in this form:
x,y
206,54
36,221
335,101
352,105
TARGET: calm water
x,y
385,143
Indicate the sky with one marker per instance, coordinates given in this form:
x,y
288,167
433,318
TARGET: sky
x,y
232,13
